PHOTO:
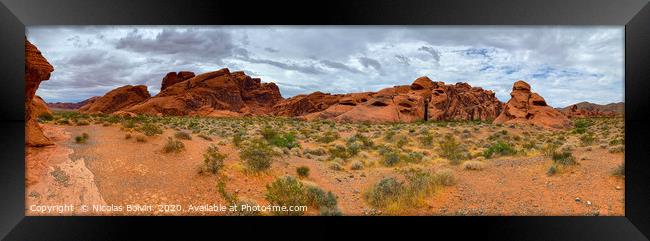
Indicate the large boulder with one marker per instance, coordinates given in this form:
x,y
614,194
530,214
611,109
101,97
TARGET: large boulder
x,y
527,107
172,78
217,93
117,99
37,69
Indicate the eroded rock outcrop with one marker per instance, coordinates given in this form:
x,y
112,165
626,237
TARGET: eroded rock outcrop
x,y
217,93
117,99
422,100
39,107
527,107
173,78
37,69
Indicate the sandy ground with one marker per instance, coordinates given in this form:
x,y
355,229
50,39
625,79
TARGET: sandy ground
x,y
111,170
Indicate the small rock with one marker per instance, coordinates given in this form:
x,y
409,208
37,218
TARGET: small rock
x,y
577,199
618,187
588,203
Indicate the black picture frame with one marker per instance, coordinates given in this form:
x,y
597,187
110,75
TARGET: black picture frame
x,y
633,14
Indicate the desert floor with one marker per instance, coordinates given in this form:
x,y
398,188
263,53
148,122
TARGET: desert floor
x,y
469,168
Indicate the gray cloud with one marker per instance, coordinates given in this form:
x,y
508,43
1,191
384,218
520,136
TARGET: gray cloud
x,y
585,61
368,62
434,53
341,66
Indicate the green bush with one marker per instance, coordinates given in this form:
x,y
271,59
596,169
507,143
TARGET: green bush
x,y
302,171
287,191
564,158
500,148
413,157
384,192
173,145
328,137
451,149
551,170
182,135
213,160
257,155
390,158
580,126
287,140
237,138
587,138
150,129
356,165
426,139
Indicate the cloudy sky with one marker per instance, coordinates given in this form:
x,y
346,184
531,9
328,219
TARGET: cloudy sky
x,y
565,65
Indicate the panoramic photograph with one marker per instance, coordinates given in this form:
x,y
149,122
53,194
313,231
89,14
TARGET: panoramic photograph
x,y
324,121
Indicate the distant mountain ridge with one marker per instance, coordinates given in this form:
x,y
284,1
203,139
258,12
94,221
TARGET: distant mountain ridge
x,y
588,109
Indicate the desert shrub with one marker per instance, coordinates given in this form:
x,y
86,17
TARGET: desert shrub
x,y
383,192
268,133
204,137
316,152
46,116
620,170
473,165
390,157
326,202
173,145
82,123
335,166
413,157
213,160
257,155
401,141
551,170
580,126
587,138
564,158
237,138
81,139
362,141
356,165
182,135
617,149
616,142
129,124
390,135
451,149
150,129
426,139
302,171
328,137
287,140
500,148
338,151
353,149
549,148
286,191
63,122
141,138
445,177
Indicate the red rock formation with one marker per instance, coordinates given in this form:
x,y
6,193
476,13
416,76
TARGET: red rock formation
x,y
586,109
37,69
117,99
172,78
217,93
305,104
39,107
422,100
72,106
526,107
